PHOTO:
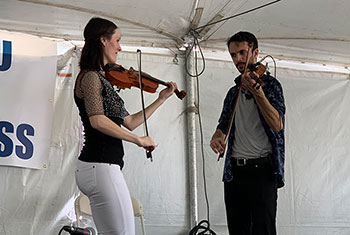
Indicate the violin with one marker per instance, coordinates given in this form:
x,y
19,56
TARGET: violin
x,y
126,78
260,69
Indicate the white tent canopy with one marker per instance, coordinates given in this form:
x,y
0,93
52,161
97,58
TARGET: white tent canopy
x,y
310,41
304,30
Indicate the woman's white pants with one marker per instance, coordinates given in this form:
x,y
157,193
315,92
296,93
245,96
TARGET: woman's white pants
x,y
110,201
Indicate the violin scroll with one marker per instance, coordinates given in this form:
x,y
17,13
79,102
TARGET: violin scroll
x,y
180,94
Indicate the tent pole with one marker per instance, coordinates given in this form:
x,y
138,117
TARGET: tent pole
x,y
191,135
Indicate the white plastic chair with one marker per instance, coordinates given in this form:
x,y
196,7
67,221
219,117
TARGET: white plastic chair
x,y
82,207
138,212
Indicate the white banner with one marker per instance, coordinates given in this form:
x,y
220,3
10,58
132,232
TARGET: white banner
x,y
27,83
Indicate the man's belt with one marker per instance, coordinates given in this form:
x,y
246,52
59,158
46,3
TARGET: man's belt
x,y
249,161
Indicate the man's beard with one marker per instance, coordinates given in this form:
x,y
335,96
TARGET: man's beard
x,y
241,66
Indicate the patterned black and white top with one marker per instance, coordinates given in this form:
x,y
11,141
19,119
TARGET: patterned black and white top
x,y
99,95
94,95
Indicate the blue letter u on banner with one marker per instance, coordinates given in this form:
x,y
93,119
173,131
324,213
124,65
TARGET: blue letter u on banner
x,y
6,55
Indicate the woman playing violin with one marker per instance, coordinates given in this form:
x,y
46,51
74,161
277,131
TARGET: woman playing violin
x,y
103,113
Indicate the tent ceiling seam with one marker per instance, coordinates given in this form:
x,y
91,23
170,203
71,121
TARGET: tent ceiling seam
x,y
286,38
306,38
40,34
101,13
218,16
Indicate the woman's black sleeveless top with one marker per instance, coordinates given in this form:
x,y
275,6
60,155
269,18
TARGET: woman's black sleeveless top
x,y
99,147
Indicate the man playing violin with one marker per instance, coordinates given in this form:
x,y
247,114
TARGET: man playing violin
x,y
252,119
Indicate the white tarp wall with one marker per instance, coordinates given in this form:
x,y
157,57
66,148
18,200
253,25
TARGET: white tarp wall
x,y
314,200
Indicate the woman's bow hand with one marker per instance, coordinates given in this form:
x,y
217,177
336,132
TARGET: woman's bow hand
x,y
146,142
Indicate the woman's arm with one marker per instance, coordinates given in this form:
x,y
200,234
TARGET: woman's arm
x,y
133,121
108,127
91,88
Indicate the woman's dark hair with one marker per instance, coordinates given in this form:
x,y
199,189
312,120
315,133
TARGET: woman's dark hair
x,y
244,37
92,53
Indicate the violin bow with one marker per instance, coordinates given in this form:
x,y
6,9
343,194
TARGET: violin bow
x,y
221,155
148,149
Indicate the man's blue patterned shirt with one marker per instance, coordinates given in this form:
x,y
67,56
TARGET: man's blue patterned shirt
x,y
274,93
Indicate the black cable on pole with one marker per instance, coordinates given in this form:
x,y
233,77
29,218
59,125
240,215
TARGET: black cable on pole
x,y
196,46
203,228
59,233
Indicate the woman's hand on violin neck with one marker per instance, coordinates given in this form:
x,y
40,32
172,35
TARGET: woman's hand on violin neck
x,y
145,142
167,92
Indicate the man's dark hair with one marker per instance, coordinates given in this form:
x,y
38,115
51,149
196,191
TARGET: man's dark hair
x,y
92,53
243,36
